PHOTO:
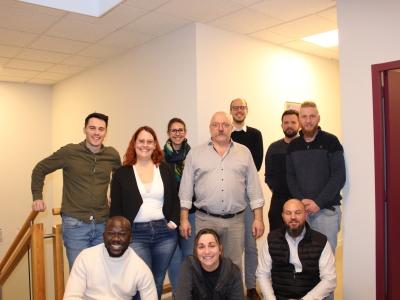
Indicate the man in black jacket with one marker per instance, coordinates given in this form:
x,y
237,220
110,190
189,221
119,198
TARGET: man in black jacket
x,y
299,260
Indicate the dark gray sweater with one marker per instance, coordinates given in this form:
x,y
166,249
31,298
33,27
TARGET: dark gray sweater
x,y
191,283
316,170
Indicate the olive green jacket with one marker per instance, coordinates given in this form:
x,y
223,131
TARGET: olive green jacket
x,y
86,176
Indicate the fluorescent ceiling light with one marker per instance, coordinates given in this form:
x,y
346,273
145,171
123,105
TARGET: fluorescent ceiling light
x,y
326,39
95,8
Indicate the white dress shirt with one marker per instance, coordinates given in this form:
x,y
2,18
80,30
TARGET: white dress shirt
x,y
244,128
327,270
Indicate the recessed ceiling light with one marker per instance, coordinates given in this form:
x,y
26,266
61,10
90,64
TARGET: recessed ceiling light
x,y
326,39
95,8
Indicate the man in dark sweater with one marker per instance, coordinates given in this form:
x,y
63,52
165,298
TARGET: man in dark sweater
x,y
275,168
252,139
316,173
298,259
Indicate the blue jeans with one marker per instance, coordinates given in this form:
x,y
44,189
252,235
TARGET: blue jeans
x,y
180,254
327,222
155,243
78,235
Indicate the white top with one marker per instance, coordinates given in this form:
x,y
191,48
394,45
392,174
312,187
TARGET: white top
x,y
153,200
96,275
327,270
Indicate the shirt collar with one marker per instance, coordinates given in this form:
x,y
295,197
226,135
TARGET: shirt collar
x,y
244,128
211,143
86,147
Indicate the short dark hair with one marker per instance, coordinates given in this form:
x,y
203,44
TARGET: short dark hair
x,y
175,120
97,116
202,232
239,99
290,112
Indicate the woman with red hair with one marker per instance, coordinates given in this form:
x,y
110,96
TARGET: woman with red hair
x,y
144,191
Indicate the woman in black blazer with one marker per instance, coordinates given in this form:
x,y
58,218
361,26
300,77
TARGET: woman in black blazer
x,y
144,191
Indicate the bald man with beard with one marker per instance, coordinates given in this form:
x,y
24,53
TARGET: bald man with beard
x,y
296,262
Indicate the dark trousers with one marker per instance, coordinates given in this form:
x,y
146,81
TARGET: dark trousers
x,y
275,211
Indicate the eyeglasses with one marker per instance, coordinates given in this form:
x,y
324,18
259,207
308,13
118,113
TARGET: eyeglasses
x,y
239,107
175,131
112,234
144,142
217,125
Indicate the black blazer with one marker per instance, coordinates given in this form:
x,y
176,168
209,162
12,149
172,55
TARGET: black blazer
x,y
126,199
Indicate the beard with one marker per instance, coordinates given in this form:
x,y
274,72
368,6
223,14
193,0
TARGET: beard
x,y
295,232
310,133
290,134
116,255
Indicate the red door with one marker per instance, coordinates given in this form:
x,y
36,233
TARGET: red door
x,y
386,104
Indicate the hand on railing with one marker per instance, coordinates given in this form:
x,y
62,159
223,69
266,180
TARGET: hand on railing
x,y
39,205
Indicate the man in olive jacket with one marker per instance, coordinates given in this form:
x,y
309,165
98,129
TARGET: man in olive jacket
x,y
87,167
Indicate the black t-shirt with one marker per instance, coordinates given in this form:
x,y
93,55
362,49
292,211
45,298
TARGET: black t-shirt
x,y
210,280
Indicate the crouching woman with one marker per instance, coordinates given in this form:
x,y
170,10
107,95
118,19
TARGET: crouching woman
x,y
207,274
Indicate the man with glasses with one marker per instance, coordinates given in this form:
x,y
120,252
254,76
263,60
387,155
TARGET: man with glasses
x,y
221,174
111,270
252,139
87,167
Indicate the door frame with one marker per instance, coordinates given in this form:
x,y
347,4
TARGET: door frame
x,y
380,234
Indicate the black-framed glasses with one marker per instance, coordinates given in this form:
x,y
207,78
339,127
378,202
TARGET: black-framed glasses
x,y
241,107
175,131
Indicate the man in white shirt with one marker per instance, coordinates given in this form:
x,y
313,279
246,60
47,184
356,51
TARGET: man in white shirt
x,y
111,270
296,262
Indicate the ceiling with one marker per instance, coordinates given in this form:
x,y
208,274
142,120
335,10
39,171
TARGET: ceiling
x,y
43,45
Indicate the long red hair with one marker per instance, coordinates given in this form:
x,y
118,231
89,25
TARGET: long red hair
x,y
130,157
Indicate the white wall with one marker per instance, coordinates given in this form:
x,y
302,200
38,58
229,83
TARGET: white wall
x,y
25,122
148,85
230,65
368,32
190,73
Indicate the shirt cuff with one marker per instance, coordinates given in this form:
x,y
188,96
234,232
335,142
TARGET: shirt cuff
x,y
257,203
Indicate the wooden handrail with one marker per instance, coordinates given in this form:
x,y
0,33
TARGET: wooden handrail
x,y
56,211
16,257
58,262
32,236
38,264
24,229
